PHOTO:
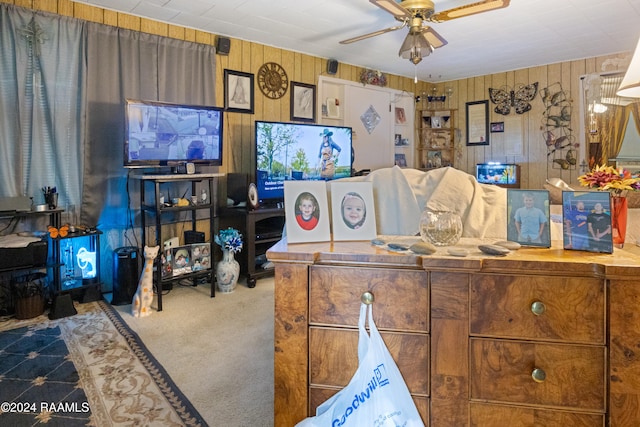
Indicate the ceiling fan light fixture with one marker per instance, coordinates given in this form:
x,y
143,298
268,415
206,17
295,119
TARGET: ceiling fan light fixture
x,y
415,47
630,86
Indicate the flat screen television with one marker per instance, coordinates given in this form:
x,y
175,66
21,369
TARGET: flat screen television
x,y
295,151
161,134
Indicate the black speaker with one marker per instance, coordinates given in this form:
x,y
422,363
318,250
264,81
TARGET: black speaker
x,y
223,45
125,274
332,66
237,186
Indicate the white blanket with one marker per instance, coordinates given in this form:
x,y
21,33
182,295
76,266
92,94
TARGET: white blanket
x,y
401,195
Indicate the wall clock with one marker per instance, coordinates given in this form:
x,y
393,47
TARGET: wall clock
x,y
272,80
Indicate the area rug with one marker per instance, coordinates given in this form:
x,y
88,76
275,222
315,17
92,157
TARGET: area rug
x,y
89,369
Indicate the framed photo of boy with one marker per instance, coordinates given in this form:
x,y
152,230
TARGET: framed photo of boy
x,y
352,208
586,224
528,217
306,211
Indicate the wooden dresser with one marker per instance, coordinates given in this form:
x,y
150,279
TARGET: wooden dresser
x,y
541,337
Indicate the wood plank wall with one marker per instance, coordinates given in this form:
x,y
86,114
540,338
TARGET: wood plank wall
x,y
248,57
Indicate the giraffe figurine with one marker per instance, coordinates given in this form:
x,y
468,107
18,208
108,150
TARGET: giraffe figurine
x,y
141,304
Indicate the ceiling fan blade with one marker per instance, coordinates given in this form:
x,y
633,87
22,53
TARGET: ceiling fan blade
x,y
399,12
470,9
434,39
375,33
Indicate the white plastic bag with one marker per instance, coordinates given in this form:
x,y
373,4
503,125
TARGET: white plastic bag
x,y
376,396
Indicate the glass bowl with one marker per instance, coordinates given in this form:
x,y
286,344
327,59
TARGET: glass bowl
x,y
440,228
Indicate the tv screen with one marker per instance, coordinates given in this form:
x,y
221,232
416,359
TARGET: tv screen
x,y
294,151
164,134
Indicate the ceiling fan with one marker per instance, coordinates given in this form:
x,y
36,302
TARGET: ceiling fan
x,y
422,39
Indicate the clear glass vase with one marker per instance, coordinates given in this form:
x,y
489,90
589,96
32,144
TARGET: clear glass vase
x,y
441,228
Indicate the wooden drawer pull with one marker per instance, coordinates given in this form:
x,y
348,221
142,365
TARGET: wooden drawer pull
x,y
538,308
367,298
538,375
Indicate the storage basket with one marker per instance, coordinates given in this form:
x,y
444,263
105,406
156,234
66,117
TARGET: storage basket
x,y
29,307
29,294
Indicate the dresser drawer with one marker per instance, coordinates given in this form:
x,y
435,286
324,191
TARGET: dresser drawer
x,y
487,415
401,297
333,357
571,376
538,307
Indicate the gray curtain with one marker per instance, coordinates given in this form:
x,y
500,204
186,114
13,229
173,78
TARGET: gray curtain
x,y
42,72
127,64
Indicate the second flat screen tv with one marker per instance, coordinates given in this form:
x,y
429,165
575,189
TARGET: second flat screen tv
x,y
294,151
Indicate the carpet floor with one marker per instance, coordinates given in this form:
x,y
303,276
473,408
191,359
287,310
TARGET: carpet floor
x,y
86,369
218,350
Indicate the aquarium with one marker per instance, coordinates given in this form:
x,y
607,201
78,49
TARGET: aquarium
x,y
502,174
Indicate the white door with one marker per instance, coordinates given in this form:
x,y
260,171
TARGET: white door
x,y
373,147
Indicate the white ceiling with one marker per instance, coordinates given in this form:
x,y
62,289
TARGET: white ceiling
x,y
525,34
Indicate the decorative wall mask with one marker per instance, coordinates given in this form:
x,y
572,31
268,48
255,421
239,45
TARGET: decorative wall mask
x,y
506,98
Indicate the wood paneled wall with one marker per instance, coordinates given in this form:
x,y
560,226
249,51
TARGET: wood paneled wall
x,y
248,57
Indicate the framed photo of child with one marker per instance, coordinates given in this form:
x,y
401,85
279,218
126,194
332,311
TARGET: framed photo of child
x,y
352,208
586,221
528,217
306,211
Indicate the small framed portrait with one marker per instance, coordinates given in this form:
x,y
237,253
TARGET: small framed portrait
x,y
353,213
401,160
238,92
182,262
401,118
586,221
397,140
436,122
434,159
303,102
497,127
306,211
528,217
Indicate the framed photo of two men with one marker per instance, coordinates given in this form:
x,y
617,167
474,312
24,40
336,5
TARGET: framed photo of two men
x,y
586,218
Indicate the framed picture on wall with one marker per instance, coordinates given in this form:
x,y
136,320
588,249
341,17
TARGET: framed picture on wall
x,y
477,122
303,102
238,92
497,127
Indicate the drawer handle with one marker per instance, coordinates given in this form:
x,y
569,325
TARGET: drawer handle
x,y
538,375
367,298
538,308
